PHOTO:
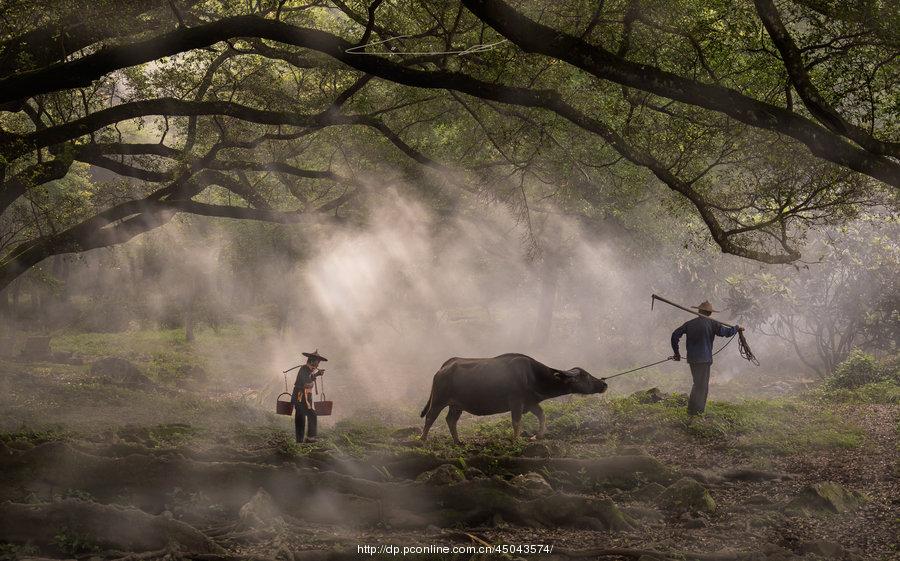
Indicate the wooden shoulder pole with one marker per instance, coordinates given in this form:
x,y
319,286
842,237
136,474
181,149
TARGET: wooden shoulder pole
x,y
688,310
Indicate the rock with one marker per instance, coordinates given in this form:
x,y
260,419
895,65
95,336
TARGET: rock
x,y
444,474
647,492
686,494
533,481
474,473
536,450
650,515
693,523
36,348
653,395
119,371
260,511
758,500
826,497
822,548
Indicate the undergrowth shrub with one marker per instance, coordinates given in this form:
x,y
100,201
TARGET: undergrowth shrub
x,y
861,368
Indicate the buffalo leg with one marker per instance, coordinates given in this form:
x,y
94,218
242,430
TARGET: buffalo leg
x,y
516,410
539,413
430,417
452,418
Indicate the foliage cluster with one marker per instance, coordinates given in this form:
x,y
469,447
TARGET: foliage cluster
x,y
861,368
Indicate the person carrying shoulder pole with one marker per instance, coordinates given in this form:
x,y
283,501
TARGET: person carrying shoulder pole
x,y
700,331
302,397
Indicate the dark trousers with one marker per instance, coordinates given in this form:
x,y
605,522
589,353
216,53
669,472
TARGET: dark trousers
x,y
300,416
700,389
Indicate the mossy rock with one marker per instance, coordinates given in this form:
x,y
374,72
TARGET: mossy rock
x,y
647,492
260,511
687,494
652,395
532,481
474,473
536,450
444,474
826,497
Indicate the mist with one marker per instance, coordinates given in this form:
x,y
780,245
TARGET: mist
x,y
391,294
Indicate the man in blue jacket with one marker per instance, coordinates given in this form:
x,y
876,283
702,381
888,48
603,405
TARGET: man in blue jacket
x,y
700,333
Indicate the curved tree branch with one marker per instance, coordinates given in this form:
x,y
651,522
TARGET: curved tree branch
x,y
812,98
31,176
527,34
538,38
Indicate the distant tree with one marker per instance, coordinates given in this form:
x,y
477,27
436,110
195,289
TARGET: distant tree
x,y
849,299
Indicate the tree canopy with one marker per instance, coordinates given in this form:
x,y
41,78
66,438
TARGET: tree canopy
x,y
757,120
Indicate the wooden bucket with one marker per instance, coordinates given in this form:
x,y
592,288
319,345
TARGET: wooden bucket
x,y
284,407
323,407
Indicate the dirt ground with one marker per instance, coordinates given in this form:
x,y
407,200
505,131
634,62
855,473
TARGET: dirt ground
x,y
616,478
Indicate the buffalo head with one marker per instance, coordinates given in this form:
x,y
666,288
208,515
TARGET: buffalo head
x,y
579,380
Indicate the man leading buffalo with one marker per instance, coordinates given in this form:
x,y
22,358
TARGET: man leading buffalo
x,y
700,331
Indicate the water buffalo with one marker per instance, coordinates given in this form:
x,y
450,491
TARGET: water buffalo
x,y
510,382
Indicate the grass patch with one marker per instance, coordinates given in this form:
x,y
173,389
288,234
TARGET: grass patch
x,y
13,552
166,356
884,392
169,435
780,426
74,543
34,437
355,437
129,344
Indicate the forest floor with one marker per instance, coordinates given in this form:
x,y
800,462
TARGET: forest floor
x,y
96,467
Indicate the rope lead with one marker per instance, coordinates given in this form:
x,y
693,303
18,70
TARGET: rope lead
x,y
745,351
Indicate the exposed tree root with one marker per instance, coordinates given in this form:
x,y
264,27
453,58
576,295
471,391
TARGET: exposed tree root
x,y
329,497
667,556
125,556
751,474
624,471
476,502
108,526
